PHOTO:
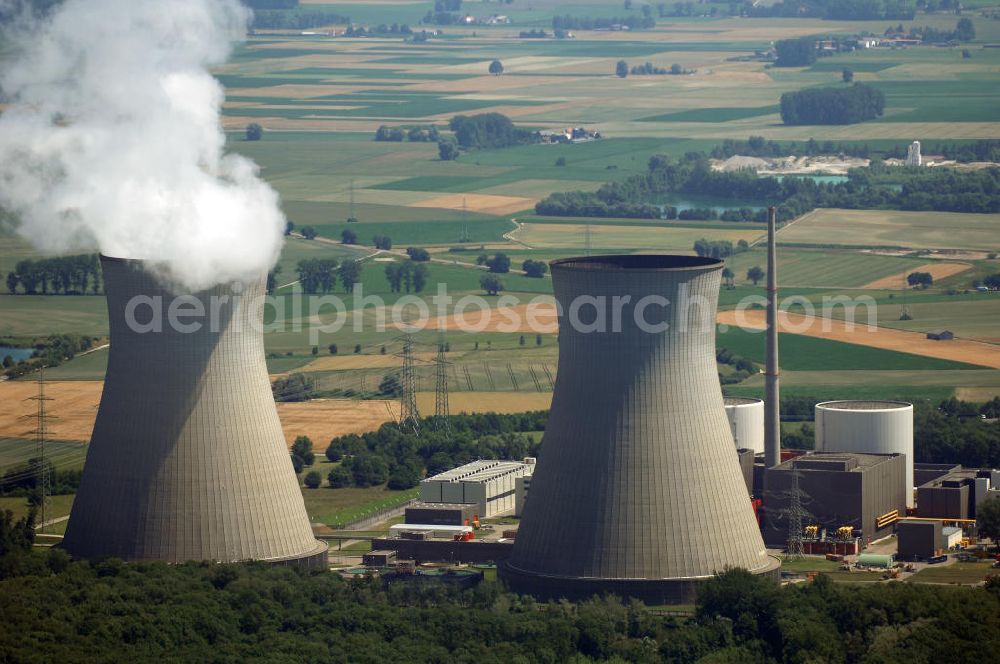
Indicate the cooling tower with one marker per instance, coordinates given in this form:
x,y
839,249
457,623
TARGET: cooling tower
x,y
187,460
637,491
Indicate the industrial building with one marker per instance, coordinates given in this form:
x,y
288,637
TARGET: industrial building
x,y
957,493
869,427
638,492
489,485
441,514
863,491
521,487
187,460
746,420
919,540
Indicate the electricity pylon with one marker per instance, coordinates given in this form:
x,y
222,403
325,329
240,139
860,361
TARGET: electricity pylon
x,y
42,480
408,413
441,409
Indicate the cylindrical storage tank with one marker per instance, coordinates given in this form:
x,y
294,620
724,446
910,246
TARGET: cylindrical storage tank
x,y
187,460
637,491
874,427
746,420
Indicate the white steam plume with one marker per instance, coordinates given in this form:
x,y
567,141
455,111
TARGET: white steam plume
x,y
113,141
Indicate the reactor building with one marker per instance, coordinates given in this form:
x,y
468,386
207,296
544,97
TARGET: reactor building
x,y
187,460
637,491
872,427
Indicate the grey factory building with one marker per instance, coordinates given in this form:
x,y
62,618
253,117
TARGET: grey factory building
x,y
489,485
957,493
187,460
866,491
638,491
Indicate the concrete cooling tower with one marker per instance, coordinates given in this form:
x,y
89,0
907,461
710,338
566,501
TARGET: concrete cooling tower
x,y
638,490
187,460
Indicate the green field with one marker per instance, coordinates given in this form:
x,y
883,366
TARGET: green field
x,y
959,572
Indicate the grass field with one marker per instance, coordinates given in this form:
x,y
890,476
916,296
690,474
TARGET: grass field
x,y
959,572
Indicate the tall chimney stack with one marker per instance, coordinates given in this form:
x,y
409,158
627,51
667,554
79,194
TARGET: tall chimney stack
x,y
772,406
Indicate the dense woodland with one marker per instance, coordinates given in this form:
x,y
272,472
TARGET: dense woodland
x,y
875,187
832,106
489,130
56,610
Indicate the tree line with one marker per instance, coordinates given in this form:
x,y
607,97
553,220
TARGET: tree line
x,y
296,19
632,22
320,275
841,10
427,134
66,275
875,187
401,458
832,106
234,612
408,275
48,352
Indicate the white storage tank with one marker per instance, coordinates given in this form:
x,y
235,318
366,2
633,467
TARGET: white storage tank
x,y
875,427
746,419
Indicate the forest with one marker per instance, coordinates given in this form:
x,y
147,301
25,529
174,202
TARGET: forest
x,y
106,610
832,106
489,130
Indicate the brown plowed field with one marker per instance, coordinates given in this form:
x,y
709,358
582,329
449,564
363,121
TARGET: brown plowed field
x,y
486,203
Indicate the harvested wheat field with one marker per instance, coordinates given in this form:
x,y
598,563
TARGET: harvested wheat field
x,y
916,343
485,203
73,407
937,270
488,402
323,419
537,318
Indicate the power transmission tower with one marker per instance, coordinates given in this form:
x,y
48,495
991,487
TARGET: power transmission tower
x,y
351,212
905,313
797,516
441,409
42,481
464,236
586,238
408,413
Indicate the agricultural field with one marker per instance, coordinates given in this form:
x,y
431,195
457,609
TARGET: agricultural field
x,y
896,229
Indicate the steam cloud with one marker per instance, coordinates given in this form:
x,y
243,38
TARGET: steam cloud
x,y
112,140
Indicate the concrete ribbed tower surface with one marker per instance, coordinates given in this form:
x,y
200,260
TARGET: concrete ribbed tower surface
x,y
638,490
187,460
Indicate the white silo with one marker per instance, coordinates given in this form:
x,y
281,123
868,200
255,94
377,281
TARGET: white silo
x,y
875,427
746,419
